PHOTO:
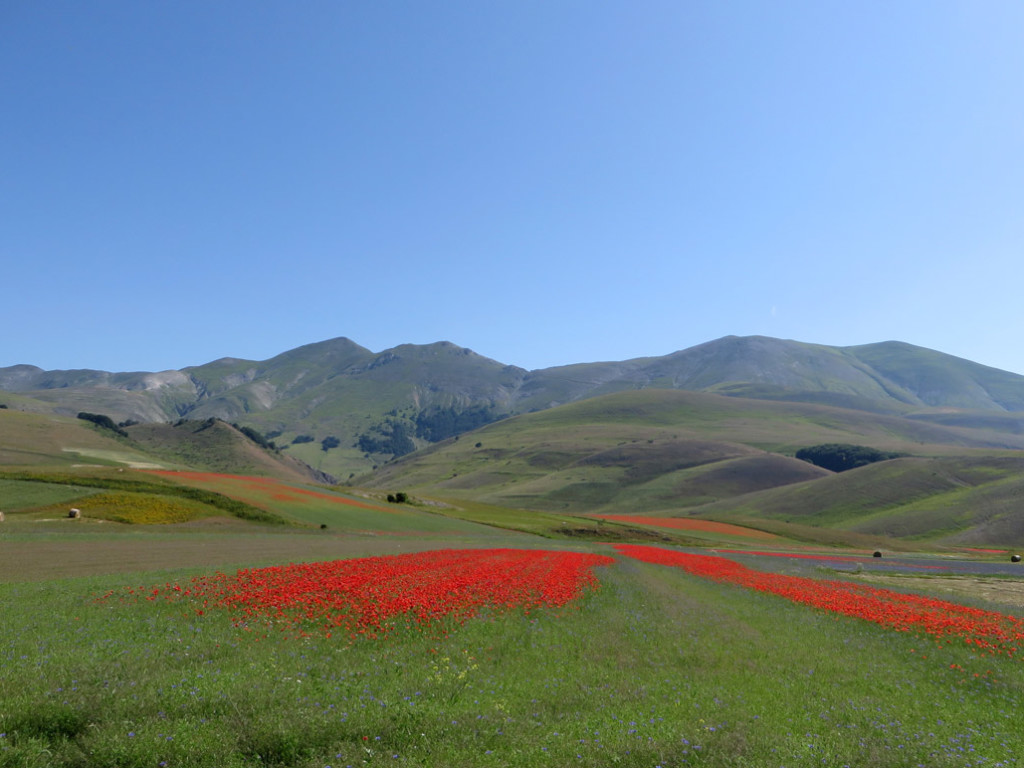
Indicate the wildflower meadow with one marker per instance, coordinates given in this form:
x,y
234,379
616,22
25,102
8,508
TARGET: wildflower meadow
x,y
588,655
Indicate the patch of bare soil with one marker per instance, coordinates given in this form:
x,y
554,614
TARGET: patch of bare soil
x,y
1003,591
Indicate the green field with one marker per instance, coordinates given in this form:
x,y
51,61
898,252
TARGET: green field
x,y
655,668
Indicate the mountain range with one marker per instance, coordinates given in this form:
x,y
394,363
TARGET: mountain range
x,y
344,409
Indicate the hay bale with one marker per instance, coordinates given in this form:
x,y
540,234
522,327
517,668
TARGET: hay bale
x,y
74,514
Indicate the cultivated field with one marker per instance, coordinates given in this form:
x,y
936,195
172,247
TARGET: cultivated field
x,y
197,644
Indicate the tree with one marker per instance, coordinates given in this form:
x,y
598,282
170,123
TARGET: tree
x,y
103,422
839,457
441,423
255,436
391,436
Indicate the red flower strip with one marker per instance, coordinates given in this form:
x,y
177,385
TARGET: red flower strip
x,y
369,595
987,630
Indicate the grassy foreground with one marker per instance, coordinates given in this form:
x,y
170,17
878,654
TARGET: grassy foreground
x,y
656,668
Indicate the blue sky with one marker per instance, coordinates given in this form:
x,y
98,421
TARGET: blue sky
x,y
543,182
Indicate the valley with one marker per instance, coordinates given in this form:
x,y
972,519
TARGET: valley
x,y
193,576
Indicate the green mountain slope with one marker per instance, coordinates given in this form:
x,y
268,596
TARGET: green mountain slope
x,y
344,409
942,381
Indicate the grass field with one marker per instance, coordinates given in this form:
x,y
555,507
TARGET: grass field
x,y
701,529
106,660
312,506
656,667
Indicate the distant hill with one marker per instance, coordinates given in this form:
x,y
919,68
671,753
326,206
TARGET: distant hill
x,y
676,453
709,432
968,500
343,409
216,446
52,441
49,441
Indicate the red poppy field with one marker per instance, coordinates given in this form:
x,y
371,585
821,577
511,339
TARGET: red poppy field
x,y
986,630
371,596
499,657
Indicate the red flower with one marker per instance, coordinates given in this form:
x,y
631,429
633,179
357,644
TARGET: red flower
x,y
370,596
987,630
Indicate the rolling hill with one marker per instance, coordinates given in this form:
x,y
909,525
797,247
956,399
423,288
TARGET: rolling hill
x,y
343,409
709,432
50,441
974,500
677,453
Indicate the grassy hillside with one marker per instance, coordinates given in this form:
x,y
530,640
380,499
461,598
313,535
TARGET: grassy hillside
x,y
371,407
650,452
72,463
648,446
673,453
47,440
943,380
215,446
972,500
652,439
16,402
31,439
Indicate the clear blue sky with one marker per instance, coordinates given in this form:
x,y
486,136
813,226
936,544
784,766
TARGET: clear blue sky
x,y
543,182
